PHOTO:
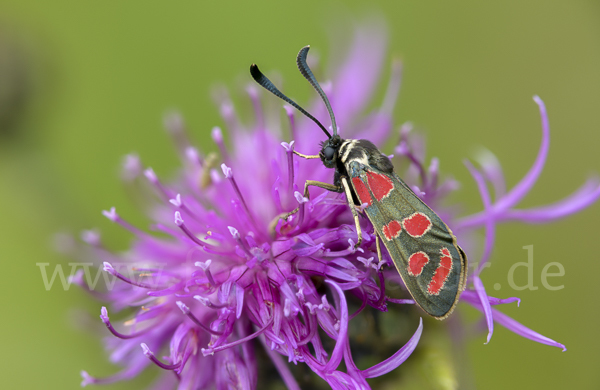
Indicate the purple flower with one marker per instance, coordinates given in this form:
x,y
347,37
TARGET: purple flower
x,y
211,284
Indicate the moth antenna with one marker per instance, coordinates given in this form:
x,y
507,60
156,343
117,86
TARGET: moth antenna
x,y
264,82
308,74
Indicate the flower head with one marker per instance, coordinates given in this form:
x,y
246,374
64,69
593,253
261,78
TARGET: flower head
x,y
213,283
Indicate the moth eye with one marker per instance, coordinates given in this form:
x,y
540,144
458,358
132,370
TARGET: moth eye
x,y
329,152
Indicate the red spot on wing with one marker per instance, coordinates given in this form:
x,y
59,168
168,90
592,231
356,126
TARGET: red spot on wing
x,y
392,230
416,263
362,191
441,273
417,224
380,185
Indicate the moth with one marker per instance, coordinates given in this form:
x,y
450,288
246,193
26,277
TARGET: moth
x,y
422,247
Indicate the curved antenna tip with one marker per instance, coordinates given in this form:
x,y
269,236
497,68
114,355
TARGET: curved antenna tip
x,y
255,72
308,75
264,82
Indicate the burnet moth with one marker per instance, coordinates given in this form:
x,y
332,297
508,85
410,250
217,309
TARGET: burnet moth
x,y
422,247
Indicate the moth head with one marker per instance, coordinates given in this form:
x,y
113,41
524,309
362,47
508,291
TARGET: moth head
x,y
329,151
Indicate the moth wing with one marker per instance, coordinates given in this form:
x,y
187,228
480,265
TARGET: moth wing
x,y
422,247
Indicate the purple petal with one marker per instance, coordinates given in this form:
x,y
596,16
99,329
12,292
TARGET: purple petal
x,y
585,196
523,187
177,201
519,329
338,350
178,220
490,229
301,199
90,237
524,331
401,301
227,171
391,94
132,167
471,296
282,367
582,198
485,304
151,175
111,214
288,147
217,135
493,171
355,81
396,359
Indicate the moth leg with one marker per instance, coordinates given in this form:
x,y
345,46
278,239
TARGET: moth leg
x,y
353,209
313,183
307,156
378,245
320,184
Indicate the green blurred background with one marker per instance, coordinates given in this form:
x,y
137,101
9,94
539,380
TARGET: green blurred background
x,y
86,82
